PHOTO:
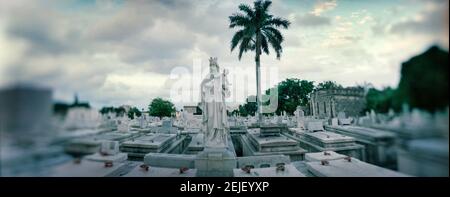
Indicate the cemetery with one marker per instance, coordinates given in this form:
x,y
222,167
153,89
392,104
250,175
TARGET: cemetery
x,y
302,145
138,126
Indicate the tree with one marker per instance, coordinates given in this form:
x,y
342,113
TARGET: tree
x,y
105,110
60,108
258,30
326,85
235,112
120,111
382,100
249,108
423,84
366,86
161,108
292,93
134,112
198,110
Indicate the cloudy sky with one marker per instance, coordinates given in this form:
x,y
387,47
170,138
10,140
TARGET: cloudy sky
x,y
122,52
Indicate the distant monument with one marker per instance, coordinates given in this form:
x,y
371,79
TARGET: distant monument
x,y
326,103
216,159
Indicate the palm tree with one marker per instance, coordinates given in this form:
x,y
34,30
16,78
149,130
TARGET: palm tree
x,y
258,30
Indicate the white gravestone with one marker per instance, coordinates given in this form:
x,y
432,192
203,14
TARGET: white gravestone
x,y
300,116
109,152
123,124
109,147
314,126
142,121
343,120
334,122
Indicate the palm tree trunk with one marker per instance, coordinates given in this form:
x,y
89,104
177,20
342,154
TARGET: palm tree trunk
x,y
258,89
258,77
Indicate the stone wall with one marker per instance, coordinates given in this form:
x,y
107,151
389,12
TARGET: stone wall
x,y
351,105
328,103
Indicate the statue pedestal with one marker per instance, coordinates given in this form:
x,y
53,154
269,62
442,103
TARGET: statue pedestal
x,y
215,162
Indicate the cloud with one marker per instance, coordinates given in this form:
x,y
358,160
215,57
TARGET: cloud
x,y
105,47
121,23
323,6
43,32
122,52
312,20
431,20
379,29
343,34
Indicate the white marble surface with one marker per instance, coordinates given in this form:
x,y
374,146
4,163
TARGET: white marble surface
x,y
328,137
321,156
119,157
271,140
376,133
160,172
355,168
315,126
290,171
85,168
149,141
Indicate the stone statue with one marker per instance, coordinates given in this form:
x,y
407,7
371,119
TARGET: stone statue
x,y
214,89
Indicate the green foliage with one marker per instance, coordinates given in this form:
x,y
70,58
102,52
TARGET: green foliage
x,y
326,85
198,110
134,112
60,108
424,80
105,110
382,100
423,85
258,29
235,112
120,111
292,92
161,108
249,108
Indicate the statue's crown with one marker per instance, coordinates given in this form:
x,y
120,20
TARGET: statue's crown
x,y
213,61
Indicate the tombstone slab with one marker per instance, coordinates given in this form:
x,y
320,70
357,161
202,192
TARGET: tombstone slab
x,y
289,171
109,148
352,168
323,156
119,157
160,172
215,162
315,126
169,160
345,121
334,122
